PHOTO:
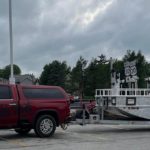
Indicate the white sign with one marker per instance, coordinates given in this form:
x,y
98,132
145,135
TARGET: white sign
x,y
127,71
130,68
133,70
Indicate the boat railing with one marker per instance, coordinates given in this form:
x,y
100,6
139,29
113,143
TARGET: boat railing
x,y
122,92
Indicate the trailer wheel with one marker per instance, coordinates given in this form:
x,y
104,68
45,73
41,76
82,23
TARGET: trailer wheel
x,y
23,131
45,126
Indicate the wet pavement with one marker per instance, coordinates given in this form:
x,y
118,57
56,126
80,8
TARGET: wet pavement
x,y
89,137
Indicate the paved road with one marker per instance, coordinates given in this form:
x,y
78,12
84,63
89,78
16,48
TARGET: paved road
x,y
89,137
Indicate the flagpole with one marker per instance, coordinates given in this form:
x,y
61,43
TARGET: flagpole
x,y
11,79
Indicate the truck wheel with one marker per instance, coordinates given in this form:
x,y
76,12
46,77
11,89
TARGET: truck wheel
x,y
22,131
45,126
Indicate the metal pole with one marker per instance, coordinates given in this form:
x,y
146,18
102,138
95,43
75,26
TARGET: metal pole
x,y
11,79
83,113
102,111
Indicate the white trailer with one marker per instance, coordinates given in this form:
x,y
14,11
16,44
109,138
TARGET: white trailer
x,y
126,106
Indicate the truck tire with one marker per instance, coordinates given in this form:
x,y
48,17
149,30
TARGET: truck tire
x,y
23,131
45,126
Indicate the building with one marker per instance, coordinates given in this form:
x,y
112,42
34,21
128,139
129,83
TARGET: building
x,y
27,79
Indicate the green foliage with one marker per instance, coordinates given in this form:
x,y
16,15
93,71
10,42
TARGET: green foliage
x,y
5,73
119,68
97,76
83,79
55,73
91,78
78,76
1,73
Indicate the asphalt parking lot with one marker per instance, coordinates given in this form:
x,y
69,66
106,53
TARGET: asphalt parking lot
x,y
89,137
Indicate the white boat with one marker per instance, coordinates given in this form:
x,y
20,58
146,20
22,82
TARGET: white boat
x,y
131,104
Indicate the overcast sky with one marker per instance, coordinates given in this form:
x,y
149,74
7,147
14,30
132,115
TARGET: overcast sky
x,y
45,30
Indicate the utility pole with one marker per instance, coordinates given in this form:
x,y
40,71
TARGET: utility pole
x,y
11,79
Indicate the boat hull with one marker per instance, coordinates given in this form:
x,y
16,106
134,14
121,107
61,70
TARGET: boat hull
x,y
128,108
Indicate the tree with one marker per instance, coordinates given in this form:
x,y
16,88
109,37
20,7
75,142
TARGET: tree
x,y
102,59
91,78
102,74
6,71
130,56
1,73
55,73
78,76
44,75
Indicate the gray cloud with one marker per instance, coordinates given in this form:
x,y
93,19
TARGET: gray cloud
x,y
45,30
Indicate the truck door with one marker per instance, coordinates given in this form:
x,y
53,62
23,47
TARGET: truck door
x,y
8,106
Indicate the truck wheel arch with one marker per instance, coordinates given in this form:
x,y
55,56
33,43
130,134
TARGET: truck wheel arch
x,y
52,113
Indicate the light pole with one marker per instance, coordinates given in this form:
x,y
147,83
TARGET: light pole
x,y
11,79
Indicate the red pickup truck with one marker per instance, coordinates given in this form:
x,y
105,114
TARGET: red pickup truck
x,y
41,108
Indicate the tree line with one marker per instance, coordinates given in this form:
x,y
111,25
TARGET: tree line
x,y
85,77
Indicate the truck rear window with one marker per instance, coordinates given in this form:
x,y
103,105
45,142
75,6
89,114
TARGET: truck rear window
x,y
43,93
5,92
